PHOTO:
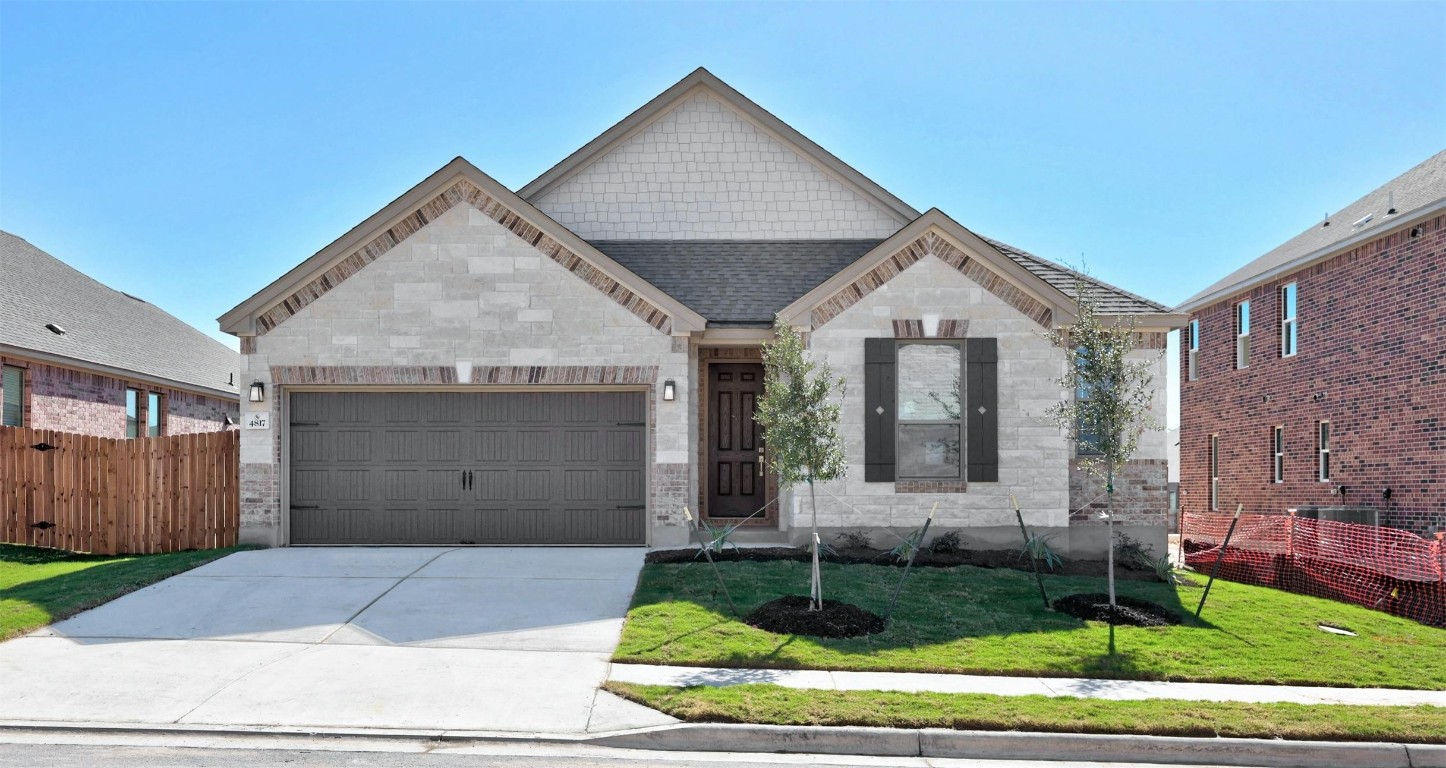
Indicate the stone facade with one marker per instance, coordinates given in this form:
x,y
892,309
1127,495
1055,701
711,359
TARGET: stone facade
x,y
83,402
703,171
1371,347
464,287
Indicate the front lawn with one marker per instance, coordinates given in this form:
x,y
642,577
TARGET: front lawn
x,y
775,705
41,586
990,621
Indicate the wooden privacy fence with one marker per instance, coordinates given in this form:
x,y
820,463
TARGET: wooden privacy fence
x,y
110,496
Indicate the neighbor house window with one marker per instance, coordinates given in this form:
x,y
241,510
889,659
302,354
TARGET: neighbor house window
x,y
1087,435
13,384
1242,334
1323,446
930,423
1193,344
133,413
1278,454
1287,320
1215,473
153,414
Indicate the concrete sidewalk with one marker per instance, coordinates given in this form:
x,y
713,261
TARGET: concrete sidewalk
x,y
1019,686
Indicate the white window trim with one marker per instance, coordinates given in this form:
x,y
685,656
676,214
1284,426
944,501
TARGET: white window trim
x,y
1323,450
1215,473
1193,347
1242,339
1277,448
1288,322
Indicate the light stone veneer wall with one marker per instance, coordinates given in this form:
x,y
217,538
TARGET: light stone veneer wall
x,y
704,172
463,287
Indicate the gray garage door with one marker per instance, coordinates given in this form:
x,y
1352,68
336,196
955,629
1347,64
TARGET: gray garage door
x,y
468,468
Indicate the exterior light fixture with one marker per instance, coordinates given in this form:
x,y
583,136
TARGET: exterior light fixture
x,y
258,392
670,390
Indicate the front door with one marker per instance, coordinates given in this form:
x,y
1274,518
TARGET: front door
x,y
737,486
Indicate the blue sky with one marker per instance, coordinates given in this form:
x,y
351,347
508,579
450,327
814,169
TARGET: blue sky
x,y
191,153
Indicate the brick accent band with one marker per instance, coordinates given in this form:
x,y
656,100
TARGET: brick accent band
x,y
463,192
910,254
382,375
931,486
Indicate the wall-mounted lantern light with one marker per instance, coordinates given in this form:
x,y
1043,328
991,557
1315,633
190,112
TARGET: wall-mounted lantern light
x,y
670,390
258,392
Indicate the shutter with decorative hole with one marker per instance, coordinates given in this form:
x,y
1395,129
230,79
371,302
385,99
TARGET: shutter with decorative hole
x,y
982,417
880,394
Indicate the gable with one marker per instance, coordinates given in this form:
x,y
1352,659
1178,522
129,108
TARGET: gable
x,y
701,161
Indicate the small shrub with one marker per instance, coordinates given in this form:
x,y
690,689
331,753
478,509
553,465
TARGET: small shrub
x,y
909,547
1165,570
855,539
1132,553
947,543
715,538
1037,547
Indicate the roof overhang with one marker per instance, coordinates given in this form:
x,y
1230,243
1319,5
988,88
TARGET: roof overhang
x,y
1410,218
702,79
241,320
117,373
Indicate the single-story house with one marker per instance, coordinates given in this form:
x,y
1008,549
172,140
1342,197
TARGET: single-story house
x,y
77,356
577,361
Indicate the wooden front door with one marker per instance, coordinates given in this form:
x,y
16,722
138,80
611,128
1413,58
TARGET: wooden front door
x,y
737,478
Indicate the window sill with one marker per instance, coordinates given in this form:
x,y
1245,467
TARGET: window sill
x,y
931,486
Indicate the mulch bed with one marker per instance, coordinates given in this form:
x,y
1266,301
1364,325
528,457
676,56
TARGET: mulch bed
x,y
925,559
1129,611
791,616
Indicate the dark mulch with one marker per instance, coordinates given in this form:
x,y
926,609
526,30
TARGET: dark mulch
x,y
925,559
1129,611
791,616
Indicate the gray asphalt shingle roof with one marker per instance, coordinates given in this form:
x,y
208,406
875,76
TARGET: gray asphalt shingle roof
x,y
746,282
1413,190
102,325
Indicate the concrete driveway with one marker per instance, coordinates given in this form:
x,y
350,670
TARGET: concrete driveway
x,y
474,639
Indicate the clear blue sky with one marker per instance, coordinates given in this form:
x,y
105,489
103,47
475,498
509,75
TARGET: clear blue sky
x,y
189,153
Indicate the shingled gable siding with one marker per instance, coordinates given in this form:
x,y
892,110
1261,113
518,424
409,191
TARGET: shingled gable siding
x,y
930,244
1033,460
464,287
702,171
461,192
73,400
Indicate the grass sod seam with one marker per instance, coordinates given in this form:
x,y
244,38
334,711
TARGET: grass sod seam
x,y
775,705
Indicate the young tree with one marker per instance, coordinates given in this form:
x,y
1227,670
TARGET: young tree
x,y
800,419
1108,408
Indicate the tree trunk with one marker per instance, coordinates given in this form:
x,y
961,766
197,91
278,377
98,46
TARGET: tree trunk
x,y
816,587
1110,547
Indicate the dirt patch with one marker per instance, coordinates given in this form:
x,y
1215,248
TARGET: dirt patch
x,y
925,559
791,616
1129,611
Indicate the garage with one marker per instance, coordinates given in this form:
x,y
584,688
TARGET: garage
x,y
450,468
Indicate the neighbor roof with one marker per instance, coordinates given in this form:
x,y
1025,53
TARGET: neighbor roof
x,y
735,282
103,327
1412,193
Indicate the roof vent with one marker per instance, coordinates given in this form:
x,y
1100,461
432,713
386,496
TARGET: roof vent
x,y
1327,221
55,329
1362,221
1391,203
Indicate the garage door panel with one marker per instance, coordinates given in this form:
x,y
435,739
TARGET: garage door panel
x,y
444,484
353,484
402,446
581,446
624,446
532,484
352,445
402,484
492,484
533,445
444,446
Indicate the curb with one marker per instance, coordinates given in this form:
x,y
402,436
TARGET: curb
x,y
981,745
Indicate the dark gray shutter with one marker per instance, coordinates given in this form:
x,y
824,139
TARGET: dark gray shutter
x,y
982,416
880,394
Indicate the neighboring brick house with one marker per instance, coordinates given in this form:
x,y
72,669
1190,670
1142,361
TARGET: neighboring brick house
x,y
577,361
77,356
1334,394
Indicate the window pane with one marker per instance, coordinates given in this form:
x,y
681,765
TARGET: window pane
x,y
928,450
1244,318
1288,301
133,413
1194,334
14,386
928,382
1325,435
153,415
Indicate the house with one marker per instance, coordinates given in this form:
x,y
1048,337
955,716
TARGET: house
x,y
577,362
1314,377
80,357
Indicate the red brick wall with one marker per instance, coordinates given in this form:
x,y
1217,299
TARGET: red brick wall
x,y
70,400
1371,360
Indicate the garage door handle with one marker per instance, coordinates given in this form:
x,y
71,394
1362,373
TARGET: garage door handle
x,y
466,479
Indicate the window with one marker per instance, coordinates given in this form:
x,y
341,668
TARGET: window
x,y
1287,320
1193,344
133,413
13,385
1242,335
930,423
1215,473
1088,436
1278,451
153,414
1323,447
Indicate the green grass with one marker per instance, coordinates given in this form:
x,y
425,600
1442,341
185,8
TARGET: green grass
x,y
982,621
41,586
774,705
